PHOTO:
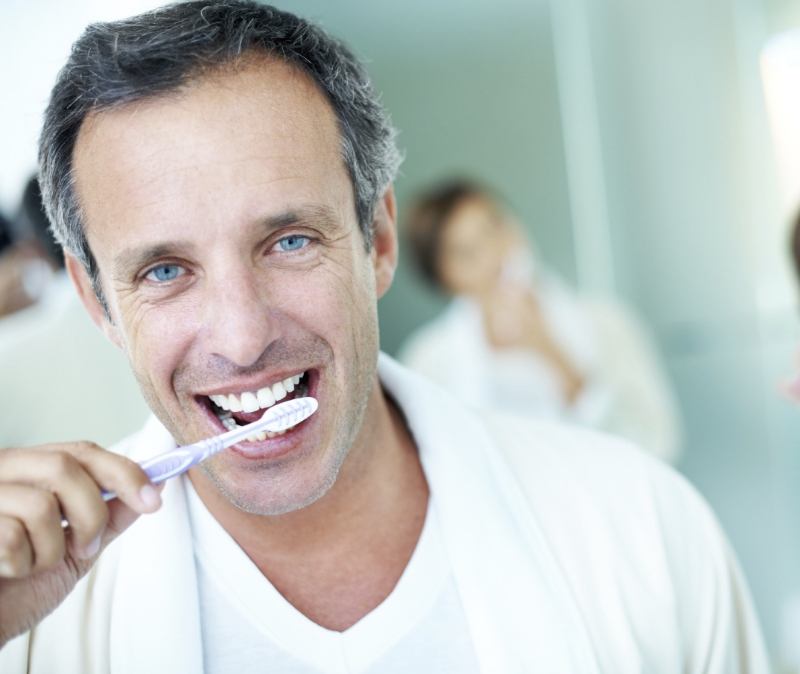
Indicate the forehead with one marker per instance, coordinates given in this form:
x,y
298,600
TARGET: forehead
x,y
260,127
472,219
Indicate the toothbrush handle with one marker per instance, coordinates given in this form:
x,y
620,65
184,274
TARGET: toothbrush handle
x,y
165,466
173,463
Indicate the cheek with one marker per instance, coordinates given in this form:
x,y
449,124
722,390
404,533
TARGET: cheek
x,y
458,275
338,302
156,339
333,291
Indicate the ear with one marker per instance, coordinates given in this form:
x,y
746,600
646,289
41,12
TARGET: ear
x,y
83,284
384,241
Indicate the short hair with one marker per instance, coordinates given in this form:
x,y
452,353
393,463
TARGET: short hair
x,y
157,52
427,217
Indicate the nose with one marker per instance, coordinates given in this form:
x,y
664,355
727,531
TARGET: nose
x,y
239,322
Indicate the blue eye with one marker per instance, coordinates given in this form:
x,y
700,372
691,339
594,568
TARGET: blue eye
x,y
293,242
164,272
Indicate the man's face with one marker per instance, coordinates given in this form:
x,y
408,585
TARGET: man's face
x,y
223,224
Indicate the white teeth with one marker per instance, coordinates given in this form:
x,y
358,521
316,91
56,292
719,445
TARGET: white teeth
x,y
279,391
263,435
249,402
253,401
220,401
260,436
265,397
234,404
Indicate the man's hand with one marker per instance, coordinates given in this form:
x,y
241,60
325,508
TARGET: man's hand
x,y
40,561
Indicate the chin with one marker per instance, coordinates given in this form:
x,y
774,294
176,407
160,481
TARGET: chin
x,y
273,495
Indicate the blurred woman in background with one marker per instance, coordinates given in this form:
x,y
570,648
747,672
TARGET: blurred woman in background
x,y
515,338
792,385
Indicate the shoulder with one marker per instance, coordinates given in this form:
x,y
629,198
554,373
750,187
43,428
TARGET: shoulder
x,y
637,545
551,459
599,496
528,443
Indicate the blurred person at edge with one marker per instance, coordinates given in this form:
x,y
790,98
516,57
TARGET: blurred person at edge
x,y
792,386
51,334
515,338
32,258
234,169
5,233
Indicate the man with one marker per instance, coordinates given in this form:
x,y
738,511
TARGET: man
x,y
220,177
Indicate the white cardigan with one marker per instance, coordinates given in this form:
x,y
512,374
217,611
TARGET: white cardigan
x,y
626,391
572,552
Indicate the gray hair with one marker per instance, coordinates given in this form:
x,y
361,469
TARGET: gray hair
x,y
145,56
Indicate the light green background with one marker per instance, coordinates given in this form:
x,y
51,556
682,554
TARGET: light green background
x,y
631,137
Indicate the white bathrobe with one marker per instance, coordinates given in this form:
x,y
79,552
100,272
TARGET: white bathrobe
x,y
572,552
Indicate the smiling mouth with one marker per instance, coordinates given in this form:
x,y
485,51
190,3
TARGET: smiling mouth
x,y
239,409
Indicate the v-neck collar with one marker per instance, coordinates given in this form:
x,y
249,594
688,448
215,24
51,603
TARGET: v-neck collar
x,y
352,650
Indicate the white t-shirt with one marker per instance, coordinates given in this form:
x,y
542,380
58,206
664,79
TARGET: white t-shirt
x,y
248,626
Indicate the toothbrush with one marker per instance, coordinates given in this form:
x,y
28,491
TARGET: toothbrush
x,y
277,418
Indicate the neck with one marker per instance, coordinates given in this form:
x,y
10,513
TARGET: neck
x,y
340,557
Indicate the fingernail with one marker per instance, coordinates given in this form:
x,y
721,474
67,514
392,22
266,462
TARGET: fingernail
x,y
92,549
149,497
6,570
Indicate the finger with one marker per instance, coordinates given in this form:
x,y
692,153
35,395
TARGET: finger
x,y
76,472
16,555
118,474
135,494
78,494
38,511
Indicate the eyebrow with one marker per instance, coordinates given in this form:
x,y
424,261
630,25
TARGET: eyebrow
x,y
132,259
